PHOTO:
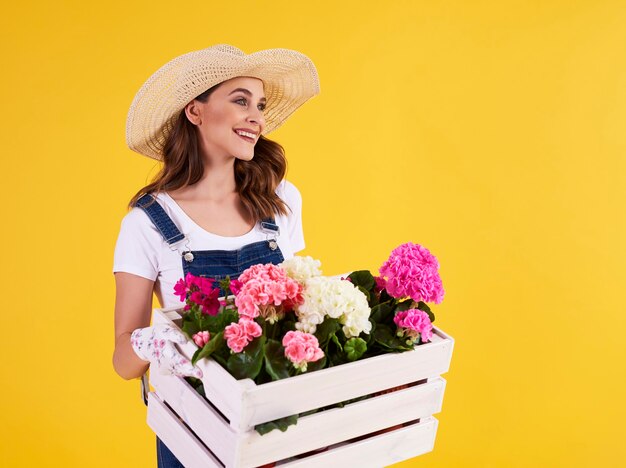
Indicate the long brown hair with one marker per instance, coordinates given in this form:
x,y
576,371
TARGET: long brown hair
x,y
256,179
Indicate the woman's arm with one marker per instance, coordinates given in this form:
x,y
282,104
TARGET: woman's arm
x,y
133,305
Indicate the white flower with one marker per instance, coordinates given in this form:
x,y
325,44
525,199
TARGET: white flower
x,y
336,298
301,268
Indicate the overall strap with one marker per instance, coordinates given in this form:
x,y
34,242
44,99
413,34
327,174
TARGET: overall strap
x,y
159,217
269,225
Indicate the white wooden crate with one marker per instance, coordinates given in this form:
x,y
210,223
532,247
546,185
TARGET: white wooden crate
x,y
220,431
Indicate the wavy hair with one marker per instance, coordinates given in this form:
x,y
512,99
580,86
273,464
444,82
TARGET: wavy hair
x,y
256,180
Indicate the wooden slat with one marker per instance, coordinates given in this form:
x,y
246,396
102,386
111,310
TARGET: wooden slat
x,y
177,437
376,452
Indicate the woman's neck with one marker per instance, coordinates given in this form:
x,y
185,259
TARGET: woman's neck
x,y
216,185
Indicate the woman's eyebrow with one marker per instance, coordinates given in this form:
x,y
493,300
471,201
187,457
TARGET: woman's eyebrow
x,y
246,92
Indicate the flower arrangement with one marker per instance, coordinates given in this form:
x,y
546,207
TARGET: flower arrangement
x,y
284,320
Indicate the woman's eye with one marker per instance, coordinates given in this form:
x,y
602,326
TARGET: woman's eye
x,y
261,106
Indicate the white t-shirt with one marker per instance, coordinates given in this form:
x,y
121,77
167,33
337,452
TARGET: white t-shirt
x,y
141,249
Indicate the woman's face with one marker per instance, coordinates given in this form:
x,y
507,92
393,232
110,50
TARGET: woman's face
x,y
235,105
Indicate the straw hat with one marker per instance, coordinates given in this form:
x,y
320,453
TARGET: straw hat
x,y
289,78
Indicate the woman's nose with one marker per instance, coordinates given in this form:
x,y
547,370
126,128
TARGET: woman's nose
x,y
257,116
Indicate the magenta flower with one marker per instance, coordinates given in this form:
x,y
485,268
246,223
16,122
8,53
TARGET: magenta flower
x,y
210,303
235,286
413,324
239,334
182,287
301,348
201,338
412,271
200,291
380,283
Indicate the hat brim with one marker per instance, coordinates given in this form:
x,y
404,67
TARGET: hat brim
x,y
289,77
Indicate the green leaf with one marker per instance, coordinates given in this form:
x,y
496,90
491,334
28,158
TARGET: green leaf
x,y
325,329
317,365
386,337
382,313
363,278
282,424
307,413
194,321
276,364
422,306
217,323
405,305
247,364
369,337
287,324
214,343
225,284
384,296
354,348
196,384
190,327
365,292
336,341
222,360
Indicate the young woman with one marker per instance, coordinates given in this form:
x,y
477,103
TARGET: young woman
x,y
220,202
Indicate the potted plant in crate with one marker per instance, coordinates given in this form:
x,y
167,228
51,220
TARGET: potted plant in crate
x,y
284,320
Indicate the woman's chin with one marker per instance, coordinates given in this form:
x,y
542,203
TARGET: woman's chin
x,y
245,157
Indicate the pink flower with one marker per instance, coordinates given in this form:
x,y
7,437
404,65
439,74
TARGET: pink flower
x,y
251,328
236,337
414,323
239,335
412,271
301,348
201,338
266,290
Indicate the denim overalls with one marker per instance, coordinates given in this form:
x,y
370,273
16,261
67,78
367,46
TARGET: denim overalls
x,y
216,264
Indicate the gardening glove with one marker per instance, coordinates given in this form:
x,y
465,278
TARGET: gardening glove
x,y
155,344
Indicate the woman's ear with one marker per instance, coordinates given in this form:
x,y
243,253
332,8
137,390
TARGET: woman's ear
x,y
194,113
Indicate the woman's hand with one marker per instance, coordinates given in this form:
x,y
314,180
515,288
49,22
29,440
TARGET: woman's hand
x,y
156,345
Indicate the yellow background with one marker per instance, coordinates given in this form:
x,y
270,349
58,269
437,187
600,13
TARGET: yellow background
x,y
491,132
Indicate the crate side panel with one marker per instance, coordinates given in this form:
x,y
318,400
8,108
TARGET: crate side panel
x,y
341,424
220,387
177,437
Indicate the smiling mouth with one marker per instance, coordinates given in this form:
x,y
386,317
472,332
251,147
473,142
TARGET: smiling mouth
x,y
248,139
